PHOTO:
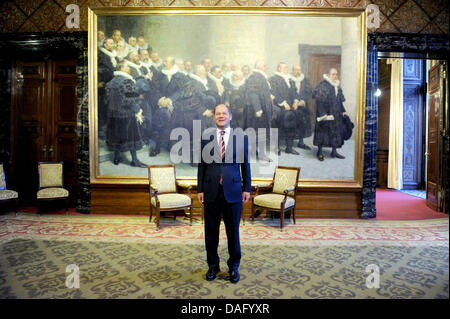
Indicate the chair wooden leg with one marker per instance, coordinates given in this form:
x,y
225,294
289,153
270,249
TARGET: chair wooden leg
x,y
203,214
151,212
293,214
190,215
16,206
253,212
158,214
282,219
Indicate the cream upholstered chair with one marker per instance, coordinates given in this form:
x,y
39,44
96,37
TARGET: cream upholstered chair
x,y
7,195
164,194
51,184
283,193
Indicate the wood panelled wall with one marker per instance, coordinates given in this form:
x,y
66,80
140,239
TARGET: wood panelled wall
x,y
312,202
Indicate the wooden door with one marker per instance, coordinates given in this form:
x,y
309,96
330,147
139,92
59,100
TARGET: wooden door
x,y
319,65
43,122
433,156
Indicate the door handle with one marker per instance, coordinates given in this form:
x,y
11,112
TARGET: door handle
x,y
50,150
44,150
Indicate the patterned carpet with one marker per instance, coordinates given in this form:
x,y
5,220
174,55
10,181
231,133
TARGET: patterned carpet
x,y
122,257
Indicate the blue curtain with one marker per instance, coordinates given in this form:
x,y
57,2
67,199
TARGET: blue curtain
x,y
370,135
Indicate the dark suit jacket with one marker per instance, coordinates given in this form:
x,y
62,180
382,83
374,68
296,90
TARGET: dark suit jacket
x,y
234,180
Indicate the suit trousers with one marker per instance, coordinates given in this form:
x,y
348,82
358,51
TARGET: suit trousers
x,y
231,218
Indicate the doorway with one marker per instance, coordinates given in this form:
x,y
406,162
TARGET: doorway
x,y
43,123
422,124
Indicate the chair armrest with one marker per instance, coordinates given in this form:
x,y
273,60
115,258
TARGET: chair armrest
x,y
186,185
290,189
259,187
153,188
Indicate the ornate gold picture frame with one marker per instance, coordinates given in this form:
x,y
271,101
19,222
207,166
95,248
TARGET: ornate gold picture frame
x,y
315,39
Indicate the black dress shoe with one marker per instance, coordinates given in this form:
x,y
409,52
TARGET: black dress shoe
x,y
234,276
292,151
320,157
137,164
154,153
116,161
337,155
211,274
304,146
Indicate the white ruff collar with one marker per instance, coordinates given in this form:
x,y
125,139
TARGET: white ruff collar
x,y
218,82
298,79
124,74
285,77
335,84
238,84
171,71
111,55
202,81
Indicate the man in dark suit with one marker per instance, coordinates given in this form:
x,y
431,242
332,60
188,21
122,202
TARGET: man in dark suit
x,y
222,188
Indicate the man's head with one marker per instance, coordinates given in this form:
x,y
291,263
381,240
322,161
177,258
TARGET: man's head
x,y
109,44
333,74
207,64
133,56
216,71
261,65
246,70
237,76
121,46
123,66
226,67
200,71
141,41
100,36
143,54
117,35
154,57
188,66
168,62
296,70
180,64
222,116
132,41
282,68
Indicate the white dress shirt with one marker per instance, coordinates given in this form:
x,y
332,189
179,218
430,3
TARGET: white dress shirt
x,y
226,136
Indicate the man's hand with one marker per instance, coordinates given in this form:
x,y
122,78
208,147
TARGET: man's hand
x,y
272,97
259,113
286,106
245,197
200,197
140,117
163,102
295,105
101,84
207,113
330,118
301,103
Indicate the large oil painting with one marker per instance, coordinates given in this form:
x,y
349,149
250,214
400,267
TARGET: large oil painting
x,y
293,81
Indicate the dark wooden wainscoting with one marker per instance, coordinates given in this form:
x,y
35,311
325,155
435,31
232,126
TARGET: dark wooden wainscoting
x,y
312,202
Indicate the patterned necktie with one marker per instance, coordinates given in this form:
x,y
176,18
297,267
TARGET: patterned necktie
x,y
222,150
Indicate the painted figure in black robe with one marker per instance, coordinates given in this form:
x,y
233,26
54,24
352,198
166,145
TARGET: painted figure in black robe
x,y
105,67
283,90
302,93
237,98
148,91
200,80
189,107
259,111
124,115
219,85
329,115
169,83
